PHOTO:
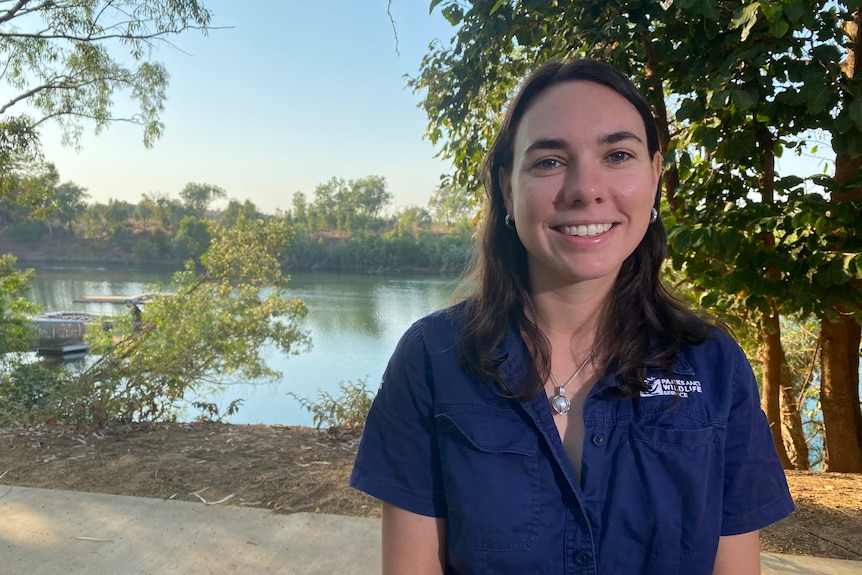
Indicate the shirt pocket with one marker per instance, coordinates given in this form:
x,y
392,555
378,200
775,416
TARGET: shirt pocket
x,y
676,467
490,465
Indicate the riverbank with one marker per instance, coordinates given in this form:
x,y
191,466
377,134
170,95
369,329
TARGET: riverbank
x,y
294,469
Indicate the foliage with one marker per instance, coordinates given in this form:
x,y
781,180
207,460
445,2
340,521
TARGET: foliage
x,y
22,388
193,238
345,411
66,204
198,197
347,205
344,229
746,84
213,329
451,205
64,61
17,332
733,86
26,190
235,209
29,391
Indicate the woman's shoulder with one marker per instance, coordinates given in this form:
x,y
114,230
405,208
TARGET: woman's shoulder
x,y
439,326
449,318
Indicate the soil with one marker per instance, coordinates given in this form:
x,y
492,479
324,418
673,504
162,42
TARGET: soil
x,y
291,469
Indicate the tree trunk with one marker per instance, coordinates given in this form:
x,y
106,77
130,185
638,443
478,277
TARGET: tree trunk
x,y
839,395
772,356
791,420
840,333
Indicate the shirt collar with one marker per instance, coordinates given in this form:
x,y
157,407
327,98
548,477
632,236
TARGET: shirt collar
x,y
515,364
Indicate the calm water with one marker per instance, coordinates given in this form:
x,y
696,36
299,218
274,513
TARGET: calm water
x,y
354,321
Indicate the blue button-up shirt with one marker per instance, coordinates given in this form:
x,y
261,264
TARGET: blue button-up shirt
x,y
663,474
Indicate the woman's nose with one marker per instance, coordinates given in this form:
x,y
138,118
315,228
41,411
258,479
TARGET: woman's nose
x,y
582,184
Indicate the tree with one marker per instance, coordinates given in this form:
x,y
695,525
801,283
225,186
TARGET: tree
x,y
17,333
300,208
367,196
732,86
235,209
145,209
450,204
198,197
193,238
62,62
27,189
325,202
66,205
213,328
116,218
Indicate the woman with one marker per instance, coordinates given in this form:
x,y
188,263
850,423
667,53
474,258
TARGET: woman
x,y
570,416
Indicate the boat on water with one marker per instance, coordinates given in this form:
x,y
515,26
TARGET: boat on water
x,y
62,333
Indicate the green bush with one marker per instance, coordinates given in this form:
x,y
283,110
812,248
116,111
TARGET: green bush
x,y
30,393
146,250
26,230
346,411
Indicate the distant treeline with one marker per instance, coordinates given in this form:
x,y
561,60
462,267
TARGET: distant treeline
x,y
346,226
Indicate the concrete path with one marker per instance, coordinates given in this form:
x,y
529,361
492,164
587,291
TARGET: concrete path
x,y
48,532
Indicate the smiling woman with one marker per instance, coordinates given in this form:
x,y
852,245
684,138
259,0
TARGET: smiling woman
x,y
582,184
653,457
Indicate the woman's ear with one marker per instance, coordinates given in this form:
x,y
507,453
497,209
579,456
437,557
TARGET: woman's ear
x,y
656,166
506,189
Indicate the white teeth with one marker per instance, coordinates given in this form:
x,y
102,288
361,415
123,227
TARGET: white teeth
x,y
585,231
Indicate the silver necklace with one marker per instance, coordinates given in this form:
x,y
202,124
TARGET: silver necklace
x,y
560,402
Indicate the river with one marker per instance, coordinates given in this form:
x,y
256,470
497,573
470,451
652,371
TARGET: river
x,y
354,321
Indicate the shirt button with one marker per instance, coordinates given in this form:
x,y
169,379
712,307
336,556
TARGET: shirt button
x,y
598,440
581,558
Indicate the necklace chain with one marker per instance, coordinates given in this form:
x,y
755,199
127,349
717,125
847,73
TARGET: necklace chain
x,y
560,402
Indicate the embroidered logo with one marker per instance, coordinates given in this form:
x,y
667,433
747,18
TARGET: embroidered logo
x,y
663,386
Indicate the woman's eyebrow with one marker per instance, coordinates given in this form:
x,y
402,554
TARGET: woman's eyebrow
x,y
616,137
603,140
547,144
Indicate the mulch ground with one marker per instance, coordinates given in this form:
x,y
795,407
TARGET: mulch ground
x,y
291,469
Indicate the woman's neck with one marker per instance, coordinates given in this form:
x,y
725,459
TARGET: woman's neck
x,y
572,311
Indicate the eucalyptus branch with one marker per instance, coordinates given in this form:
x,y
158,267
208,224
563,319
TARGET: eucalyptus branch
x,y
809,375
15,11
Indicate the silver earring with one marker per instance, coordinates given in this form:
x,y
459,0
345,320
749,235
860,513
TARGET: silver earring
x,y
653,215
509,222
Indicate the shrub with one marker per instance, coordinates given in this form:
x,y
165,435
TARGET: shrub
x,y
346,411
26,230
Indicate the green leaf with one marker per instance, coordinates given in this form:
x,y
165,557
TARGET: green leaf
x,y
794,10
746,19
780,27
743,100
719,98
453,14
819,98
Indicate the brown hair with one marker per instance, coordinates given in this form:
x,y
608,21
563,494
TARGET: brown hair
x,y
645,325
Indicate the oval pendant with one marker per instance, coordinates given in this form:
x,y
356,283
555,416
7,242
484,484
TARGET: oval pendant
x,y
561,404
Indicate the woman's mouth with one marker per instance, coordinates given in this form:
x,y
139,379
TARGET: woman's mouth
x,y
584,231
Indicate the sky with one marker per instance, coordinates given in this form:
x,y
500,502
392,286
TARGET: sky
x,y
287,95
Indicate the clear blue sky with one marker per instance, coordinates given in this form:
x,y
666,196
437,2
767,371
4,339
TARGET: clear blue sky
x,y
292,94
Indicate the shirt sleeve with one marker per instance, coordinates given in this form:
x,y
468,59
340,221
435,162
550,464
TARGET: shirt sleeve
x,y
755,487
397,457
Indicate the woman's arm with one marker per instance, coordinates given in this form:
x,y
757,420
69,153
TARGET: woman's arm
x,y
412,543
738,554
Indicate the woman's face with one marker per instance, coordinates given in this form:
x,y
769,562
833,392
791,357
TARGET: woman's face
x,y
582,184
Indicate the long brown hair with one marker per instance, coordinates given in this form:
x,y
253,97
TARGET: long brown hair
x,y
641,325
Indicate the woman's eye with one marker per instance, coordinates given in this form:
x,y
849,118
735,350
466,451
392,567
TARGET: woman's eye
x,y
548,164
619,157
